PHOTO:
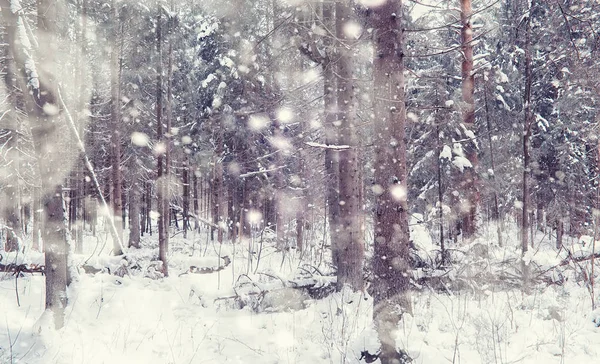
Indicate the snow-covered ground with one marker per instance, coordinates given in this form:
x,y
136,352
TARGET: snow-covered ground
x,y
187,318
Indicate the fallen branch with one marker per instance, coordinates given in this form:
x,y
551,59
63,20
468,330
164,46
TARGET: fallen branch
x,y
207,270
16,269
571,258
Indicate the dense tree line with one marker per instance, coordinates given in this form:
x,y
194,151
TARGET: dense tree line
x,y
170,116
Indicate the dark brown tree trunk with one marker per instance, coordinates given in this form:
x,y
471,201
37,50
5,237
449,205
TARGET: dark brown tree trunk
x,y
351,254
390,289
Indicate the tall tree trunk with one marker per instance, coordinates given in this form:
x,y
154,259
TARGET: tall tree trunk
x,y
115,141
351,254
527,121
167,140
390,289
496,209
42,109
470,183
163,219
332,171
444,253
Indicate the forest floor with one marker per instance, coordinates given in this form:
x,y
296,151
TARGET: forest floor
x,y
193,318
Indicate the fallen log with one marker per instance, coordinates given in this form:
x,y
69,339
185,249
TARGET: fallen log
x,y
17,269
280,294
208,270
571,258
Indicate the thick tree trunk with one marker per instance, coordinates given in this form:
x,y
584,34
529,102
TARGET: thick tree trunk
x,y
351,254
9,193
391,265
470,179
42,108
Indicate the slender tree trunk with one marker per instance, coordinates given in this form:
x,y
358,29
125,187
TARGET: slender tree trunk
x,y
115,141
496,209
390,289
332,171
351,255
218,189
195,192
526,153
11,200
163,236
148,221
143,212
167,140
186,195
134,215
444,252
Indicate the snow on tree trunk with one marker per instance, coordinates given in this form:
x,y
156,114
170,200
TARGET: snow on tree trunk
x,y
351,241
470,182
115,116
43,112
527,124
332,171
163,236
391,267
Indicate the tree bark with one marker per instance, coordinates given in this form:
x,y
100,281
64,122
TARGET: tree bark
x,y
163,219
332,171
351,253
527,120
390,289
134,215
186,195
115,141
470,178
42,109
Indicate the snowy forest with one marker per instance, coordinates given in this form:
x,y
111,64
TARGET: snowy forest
x,y
299,181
